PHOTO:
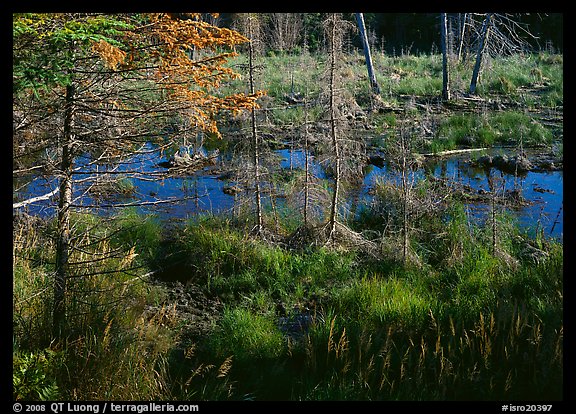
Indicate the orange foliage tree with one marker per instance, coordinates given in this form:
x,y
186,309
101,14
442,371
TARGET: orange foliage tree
x,y
102,83
189,57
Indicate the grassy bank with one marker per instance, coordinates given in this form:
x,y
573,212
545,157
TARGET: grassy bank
x,y
473,312
518,101
310,324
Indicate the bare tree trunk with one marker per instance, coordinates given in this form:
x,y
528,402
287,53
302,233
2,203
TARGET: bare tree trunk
x,y
307,165
481,46
492,187
255,143
445,66
272,194
462,31
405,196
333,132
371,75
63,237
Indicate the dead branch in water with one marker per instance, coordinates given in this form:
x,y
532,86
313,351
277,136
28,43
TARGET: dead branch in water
x,y
451,152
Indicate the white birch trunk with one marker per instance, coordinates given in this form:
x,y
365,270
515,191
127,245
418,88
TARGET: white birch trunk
x,y
445,66
371,75
481,48
64,204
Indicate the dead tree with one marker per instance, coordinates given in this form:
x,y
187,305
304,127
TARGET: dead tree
x,y
405,196
484,34
367,56
445,65
285,30
255,142
65,200
306,167
463,26
334,39
500,35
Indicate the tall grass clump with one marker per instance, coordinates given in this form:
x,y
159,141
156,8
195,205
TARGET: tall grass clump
x,y
487,130
514,77
35,366
385,301
508,74
465,325
473,338
142,232
113,347
247,336
494,357
32,267
228,261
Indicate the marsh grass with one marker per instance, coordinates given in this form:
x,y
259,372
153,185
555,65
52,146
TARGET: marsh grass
x,y
112,349
487,130
466,326
496,356
532,79
459,322
461,325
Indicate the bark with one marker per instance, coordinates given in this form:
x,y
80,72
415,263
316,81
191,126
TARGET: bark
x,y
35,199
445,66
255,143
405,198
493,214
451,152
462,32
306,167
64,203
481,47
333,134
371,75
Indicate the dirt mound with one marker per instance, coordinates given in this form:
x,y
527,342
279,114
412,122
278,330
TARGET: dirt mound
x,y
196,313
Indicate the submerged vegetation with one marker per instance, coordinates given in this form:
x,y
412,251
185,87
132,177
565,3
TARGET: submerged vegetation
x,y
406,298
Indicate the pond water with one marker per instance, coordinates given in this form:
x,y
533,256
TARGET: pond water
x,y
542,190
204,190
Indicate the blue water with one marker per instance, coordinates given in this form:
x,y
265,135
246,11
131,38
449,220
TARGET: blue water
x,y
544,213
205,190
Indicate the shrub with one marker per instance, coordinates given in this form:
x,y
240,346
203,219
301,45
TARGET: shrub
x,y
33,375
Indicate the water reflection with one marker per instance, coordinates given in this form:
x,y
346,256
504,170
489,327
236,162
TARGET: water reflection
x,y
204,190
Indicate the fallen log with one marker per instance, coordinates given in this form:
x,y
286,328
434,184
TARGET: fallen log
x,y
451,152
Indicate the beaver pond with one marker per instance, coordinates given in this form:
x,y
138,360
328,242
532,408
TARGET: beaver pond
x,y
534,192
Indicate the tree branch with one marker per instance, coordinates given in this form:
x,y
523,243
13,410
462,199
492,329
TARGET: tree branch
x,y
35,199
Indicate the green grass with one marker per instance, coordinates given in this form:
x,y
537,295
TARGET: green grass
x,y
384,301
418,75
457,322
457,326
490,129
248,336
529,81
453,331
110,350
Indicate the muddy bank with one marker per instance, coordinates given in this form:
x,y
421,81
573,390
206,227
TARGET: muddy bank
x,y
196,314
522,163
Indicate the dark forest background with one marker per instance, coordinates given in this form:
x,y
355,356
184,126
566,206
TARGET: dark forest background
x,y
416,33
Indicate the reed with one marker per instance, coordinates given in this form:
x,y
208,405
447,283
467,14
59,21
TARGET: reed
x,y
113,348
